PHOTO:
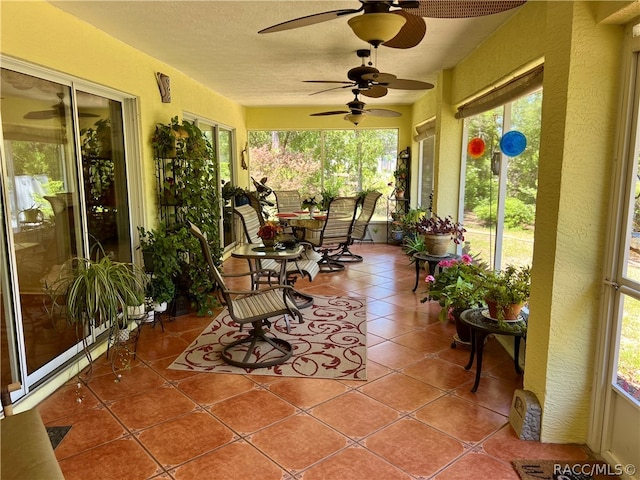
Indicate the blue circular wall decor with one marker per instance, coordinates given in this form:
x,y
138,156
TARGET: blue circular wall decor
x,y
513,143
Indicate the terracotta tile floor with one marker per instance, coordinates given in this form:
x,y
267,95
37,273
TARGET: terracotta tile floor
x,y
414,418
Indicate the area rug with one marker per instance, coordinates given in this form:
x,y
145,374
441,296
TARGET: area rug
x,y
331,343
565,470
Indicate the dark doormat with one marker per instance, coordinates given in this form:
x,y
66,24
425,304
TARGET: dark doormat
x,y
56,434
565,470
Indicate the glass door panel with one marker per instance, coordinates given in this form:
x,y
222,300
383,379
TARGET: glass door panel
x,y
104,176
226,177
627,377
43,200
482,182
501,191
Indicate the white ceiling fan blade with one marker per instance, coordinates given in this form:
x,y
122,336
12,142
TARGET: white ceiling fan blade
x,y
382,112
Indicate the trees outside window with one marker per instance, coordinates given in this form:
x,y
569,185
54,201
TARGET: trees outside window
x,y
344,162
500,191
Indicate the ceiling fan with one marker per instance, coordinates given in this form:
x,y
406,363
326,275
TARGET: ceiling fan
x,y
57,110
370,82
403,26
356,111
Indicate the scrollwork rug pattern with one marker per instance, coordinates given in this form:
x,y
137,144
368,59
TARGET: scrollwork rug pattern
x,y
331,343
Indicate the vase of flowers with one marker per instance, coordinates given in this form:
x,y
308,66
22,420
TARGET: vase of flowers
x,y
438,233
310,203
459,285
269,233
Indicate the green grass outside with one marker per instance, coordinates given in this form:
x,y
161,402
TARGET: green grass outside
x,y
518,250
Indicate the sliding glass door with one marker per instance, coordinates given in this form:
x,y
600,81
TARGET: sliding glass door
x,y
65,194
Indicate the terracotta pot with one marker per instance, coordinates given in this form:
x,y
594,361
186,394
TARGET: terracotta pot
x,y
510,312
437,244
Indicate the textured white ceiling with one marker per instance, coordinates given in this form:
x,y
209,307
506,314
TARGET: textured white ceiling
x,y
216,43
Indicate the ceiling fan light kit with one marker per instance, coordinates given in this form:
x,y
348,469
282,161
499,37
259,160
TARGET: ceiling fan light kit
x,y
376,28
354,118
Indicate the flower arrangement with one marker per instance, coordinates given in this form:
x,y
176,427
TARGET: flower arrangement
x,y
436,225
269,231
310,202
459,285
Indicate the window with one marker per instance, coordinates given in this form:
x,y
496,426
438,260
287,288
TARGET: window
x,y
500,191
343,162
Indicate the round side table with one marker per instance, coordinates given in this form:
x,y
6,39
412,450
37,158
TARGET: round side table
x,y
481,326
432,261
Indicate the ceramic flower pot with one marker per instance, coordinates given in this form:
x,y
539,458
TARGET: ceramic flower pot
x,y
510,312
463,331
437,244
269,242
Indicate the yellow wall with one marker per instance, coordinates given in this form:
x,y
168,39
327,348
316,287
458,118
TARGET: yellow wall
x,y
582,66
579,107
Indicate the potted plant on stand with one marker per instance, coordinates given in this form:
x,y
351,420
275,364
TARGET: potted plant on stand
x,y
439,232
506,291
160,252
458,286
97,293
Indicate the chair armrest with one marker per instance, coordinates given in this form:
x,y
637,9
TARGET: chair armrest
x,y
257,292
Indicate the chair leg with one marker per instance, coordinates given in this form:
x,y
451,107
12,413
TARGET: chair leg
x,y
327,265
346,256
281,348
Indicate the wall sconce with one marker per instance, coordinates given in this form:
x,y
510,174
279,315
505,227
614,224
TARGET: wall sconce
x,y
164,85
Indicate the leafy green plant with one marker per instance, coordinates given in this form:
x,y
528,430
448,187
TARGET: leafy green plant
x,y
193,170
510,286
95,293
328,193
414,244
161,255
436,225
459,285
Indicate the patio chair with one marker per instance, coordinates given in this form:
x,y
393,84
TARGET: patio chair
x,y
303,266
360,228
288,201
255,307
336,232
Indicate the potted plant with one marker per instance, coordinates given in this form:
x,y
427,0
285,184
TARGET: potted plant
x,y
160,251
439,232
328,193
268,233
459,285
506,291
400,173
97,293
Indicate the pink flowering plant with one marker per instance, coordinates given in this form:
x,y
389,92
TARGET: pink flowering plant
x,y
436,225
459,285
